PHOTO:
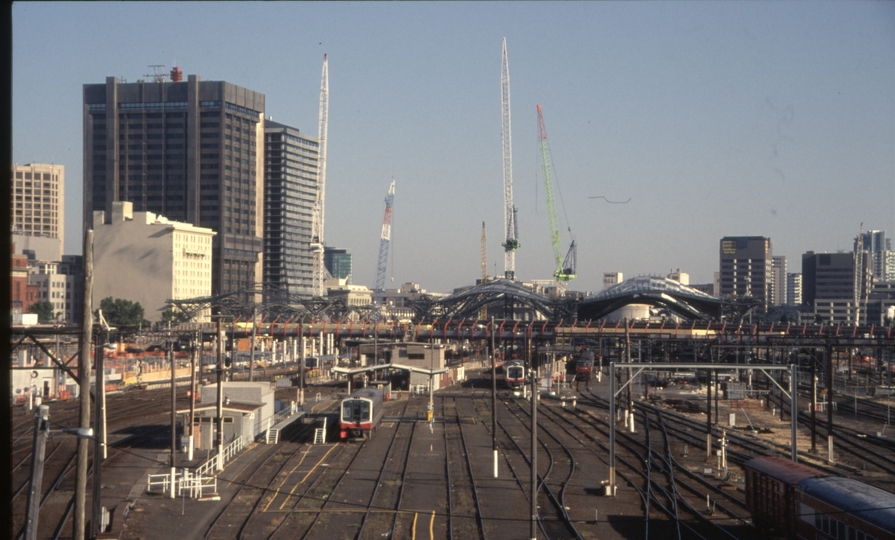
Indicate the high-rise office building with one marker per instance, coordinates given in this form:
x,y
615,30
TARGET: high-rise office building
x,y
746,268
290,191
882,258
830,287
191,151
610,279
337,262
794,289
778,280
38,205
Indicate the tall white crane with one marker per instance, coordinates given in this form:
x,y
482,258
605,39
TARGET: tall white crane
x,y
384,241
317,221
509,210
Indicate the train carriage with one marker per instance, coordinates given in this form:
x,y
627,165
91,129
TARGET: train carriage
x,y
837,507
800,502
360,413
514,375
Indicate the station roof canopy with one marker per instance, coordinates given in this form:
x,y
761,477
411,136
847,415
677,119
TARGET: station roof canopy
x,y
654,291
356,371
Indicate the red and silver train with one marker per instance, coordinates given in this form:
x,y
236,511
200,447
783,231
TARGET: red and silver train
x,y
800,502
584,365
514,374
361,413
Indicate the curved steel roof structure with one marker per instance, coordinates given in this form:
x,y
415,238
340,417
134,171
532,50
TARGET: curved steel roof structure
x,y
654,291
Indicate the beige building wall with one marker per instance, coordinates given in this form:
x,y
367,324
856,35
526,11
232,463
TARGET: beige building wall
x,y
38,201
145,258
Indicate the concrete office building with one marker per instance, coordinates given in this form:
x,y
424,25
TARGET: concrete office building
x,y
746,268
778,280
290,191
610,279
146,258
794,289
882,258
191,151
830,287
38,202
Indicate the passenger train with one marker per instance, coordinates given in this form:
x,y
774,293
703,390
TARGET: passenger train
x,y
514,374
361,413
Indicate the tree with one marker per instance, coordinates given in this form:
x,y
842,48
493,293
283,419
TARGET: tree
x,y
44,311
174,317
120,312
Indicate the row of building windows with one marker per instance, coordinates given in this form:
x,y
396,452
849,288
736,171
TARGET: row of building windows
x,y
153,105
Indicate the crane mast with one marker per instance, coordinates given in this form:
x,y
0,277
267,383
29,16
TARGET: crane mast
x,y
317,220
384,241
509,210
565,267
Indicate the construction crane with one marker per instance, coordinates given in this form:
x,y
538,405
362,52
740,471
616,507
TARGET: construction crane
x,y
317,219
565,267
509,210
384,241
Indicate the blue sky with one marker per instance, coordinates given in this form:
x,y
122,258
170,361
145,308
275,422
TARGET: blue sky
x,y
769,119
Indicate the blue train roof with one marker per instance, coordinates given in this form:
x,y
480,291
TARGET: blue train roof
x,y
872,504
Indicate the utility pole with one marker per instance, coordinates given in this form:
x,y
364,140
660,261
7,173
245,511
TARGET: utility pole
x,y
220,411
84,389
252,352
41,430
195,350
98,440
532,362
170,354
493,399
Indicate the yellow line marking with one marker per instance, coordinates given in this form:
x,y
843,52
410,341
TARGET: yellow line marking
x,y
283,481
413,530
302,481
431,525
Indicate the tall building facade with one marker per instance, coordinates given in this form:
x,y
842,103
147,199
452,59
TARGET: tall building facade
x,y
191,151
38,205
830,287
746,268
794,289
778,280
882,258
290,191
337,263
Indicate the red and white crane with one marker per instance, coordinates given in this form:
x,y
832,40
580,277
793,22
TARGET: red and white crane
x,y
384,241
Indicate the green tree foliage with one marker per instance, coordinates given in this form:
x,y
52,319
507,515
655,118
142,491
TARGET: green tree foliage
x,y
174,317
120,312
44,311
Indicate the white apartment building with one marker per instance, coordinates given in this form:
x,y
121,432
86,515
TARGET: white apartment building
x,y
145,258
38,201
612,278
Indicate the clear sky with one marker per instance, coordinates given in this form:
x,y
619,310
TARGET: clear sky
x,y
715,119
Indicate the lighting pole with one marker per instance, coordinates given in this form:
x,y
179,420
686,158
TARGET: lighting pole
x,y
493,399
532,362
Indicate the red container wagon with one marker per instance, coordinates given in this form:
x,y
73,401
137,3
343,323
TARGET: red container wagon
x,y
770,492
361,413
